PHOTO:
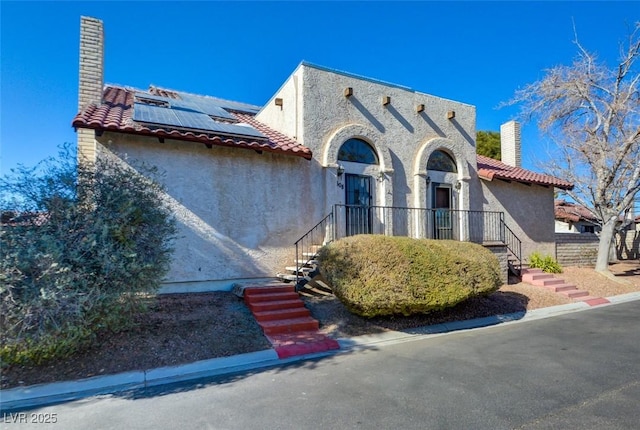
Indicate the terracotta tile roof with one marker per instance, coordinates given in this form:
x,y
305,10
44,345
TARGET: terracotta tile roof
x,y
490,169
572,212
115,113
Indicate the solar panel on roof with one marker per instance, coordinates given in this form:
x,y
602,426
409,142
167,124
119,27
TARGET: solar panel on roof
x,y
147,96
209,109
153,114
238,130
206,101
189,120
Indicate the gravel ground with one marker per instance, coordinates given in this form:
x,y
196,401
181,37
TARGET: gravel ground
x,y
183,328
336,321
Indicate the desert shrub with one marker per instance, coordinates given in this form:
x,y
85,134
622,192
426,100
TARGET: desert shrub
x,y
377,275
80,247
547,263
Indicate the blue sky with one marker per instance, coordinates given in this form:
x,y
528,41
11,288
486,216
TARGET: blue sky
x,y
474,52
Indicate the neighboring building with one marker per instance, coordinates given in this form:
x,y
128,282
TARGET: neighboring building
x,y
574,218
247,181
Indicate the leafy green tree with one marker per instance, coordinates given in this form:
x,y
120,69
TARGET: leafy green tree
x,y
81,247
488,144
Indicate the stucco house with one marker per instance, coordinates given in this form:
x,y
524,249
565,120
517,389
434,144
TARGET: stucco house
x,y
329,154
574,218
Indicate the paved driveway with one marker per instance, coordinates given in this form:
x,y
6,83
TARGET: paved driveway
x,y
579,370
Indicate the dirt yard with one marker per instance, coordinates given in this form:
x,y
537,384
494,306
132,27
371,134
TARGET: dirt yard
x,y
183,328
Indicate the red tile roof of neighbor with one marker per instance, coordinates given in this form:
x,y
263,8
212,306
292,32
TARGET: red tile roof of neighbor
x,y
572,212
115,113
490,169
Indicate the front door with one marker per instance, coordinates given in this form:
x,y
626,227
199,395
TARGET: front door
x,y
442,219
358,201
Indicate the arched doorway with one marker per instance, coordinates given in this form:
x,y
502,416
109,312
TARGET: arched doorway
x,y
442,173
355,155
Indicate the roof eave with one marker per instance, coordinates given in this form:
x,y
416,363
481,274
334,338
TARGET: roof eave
x,y
175,135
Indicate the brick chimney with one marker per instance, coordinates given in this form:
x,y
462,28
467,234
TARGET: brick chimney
x,y
510,147
91,79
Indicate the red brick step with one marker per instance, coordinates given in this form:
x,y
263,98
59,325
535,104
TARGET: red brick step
x,y
285,320
268,297
278,288
282,314
289,325
558,288
539,278
574,294
275,305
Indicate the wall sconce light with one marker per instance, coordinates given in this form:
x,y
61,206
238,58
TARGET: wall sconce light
x,y
381,176
386,100
451,114
278,102
340,170
420,108
428,180
458,185
348,92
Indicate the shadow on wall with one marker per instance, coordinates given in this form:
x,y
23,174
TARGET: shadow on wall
x,y
432,124
628,245
402,120
201,244
202,253
368,115
400,187
463,132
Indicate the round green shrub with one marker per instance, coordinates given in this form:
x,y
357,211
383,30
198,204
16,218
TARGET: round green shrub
x,y
377,275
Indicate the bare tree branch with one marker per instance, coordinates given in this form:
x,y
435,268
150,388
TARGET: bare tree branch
x,y
592,113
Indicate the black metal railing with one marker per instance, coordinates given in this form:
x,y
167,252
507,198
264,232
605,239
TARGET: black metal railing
x,y
320,234
483,227
463,225
514,244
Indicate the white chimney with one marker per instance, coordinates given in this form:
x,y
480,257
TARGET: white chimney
x,y
510,143
91,80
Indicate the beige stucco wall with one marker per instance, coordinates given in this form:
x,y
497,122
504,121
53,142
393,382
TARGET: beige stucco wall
x,y
402,137
238,211
287,119
528,211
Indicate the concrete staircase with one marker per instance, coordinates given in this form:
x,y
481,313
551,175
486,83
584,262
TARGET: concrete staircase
x,y
286,322
549,281
306,267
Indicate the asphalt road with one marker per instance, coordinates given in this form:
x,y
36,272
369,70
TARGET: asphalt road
x,y
575,371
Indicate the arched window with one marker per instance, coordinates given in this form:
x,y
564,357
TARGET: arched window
x,y
357,151
441,161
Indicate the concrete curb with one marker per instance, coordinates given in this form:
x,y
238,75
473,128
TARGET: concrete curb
x,y
44,394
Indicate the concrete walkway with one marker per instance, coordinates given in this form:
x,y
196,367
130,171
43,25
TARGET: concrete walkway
x,y
44,394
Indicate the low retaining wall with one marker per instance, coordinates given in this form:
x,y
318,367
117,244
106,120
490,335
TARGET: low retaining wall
x,y
576,249
501,252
